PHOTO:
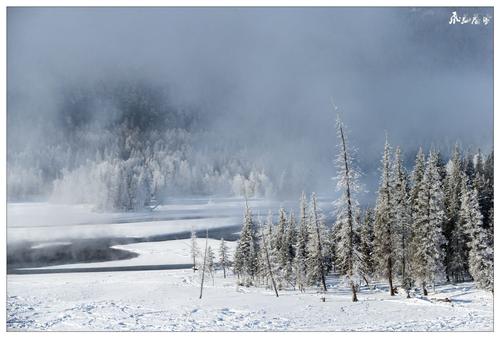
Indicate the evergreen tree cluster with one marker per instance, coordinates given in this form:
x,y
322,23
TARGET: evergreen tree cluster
x,y
293,253
435,224
430,225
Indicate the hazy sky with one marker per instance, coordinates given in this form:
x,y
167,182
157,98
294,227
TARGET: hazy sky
x,y
267,75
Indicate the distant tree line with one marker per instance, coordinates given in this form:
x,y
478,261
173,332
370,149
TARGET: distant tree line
x,y
126,146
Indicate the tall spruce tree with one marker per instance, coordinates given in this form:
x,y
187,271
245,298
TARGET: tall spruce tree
x,y
416,185
316,251
301,246
483,178
246,255
428,239
481,243
290,240
366,245
385,235
348,259
267,266
456,251
416,179
488,191
278,247
402,219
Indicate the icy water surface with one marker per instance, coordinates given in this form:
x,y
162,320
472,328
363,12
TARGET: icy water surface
x,y
44,235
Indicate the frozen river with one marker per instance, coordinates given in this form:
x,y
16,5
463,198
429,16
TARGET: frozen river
x,y
44,235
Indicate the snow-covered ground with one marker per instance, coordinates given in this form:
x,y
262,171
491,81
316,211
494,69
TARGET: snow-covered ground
x,y
169,299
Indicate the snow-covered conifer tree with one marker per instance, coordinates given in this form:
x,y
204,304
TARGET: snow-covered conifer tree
x,y
488,173
428,240
454,232
315,262
366,245
278,247
245,259
290,240
280,244
481,243
267,265
384,229
416,179
301,246
331,244
402,219
348,259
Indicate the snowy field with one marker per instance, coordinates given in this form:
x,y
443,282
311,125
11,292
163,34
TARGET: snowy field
x,y
168,299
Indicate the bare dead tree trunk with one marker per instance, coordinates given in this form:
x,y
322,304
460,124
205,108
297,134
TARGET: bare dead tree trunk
x,y
354,296
204,265
424,289
349,212
389,268
366,280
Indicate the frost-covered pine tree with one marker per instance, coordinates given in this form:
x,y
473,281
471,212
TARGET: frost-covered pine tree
x,y
468,165
483,185
266,263
454,232
428,239
331,242
384,228
245,258
402,219
416,179
488,192
195,250
315,261
348,259
366,245
223,256
290,240
279,248
262,268
481,243
301,246
416,185
280,239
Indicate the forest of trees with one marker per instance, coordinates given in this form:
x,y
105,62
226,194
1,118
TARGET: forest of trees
x,y
124,146
431,225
